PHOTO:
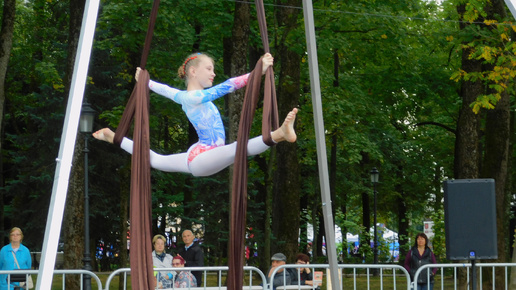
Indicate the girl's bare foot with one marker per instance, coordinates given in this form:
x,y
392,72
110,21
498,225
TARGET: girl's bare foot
x,y
286,132
104,134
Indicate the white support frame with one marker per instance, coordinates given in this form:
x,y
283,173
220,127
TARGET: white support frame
x,y
66,149
512,6
71,123
322,161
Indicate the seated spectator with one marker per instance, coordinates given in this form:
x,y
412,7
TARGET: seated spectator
x,y
281,278
184,279
180,279
160,259
301,276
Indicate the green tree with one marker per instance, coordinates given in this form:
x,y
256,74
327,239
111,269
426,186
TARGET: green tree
x,y
6,39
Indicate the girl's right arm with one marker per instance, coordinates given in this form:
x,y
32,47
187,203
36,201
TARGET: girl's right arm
x,y
164,90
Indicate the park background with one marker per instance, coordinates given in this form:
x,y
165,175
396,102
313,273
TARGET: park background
x,y
421,90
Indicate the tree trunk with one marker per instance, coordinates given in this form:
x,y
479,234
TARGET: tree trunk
x,y
496,139
365,237
467,152
73,221
262,224
303,230
333,167
286,189
235,58
512,281
403,226
496,158
286,186
73,225
495,166
6,43
403,220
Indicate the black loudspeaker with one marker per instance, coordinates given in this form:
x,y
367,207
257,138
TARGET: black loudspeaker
x,y
470,219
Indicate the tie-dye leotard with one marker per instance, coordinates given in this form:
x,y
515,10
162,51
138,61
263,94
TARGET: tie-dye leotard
x,y
206,119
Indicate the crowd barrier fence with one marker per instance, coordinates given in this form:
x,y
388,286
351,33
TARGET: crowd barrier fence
x,y
374,274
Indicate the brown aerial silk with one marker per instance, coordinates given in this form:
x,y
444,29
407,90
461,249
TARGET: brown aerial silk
x,y
142,274
269,123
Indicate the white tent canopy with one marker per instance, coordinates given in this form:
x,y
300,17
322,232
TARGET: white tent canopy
x,y
387,234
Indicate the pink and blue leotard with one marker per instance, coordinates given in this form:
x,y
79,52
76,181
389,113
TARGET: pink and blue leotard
x,y
205,117
199,108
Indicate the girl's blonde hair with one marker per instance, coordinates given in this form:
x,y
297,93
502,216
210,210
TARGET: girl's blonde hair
x,y
192,60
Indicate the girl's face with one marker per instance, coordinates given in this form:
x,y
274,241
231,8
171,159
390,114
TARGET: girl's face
x,y
204,72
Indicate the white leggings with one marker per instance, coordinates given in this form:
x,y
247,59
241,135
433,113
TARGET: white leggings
x,y
204,164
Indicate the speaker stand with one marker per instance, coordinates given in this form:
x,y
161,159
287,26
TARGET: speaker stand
x,y
473,275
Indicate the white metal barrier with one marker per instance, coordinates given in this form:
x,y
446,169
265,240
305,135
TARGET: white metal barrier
x,y
56,272
455,266
219,270
384,270
367,267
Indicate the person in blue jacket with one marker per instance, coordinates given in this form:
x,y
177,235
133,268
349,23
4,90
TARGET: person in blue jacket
x,y
7,254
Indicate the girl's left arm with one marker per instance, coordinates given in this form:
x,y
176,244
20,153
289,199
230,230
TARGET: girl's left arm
x,y
223,89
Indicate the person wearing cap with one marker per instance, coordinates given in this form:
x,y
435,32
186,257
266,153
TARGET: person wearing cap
x,y
160,259
281,278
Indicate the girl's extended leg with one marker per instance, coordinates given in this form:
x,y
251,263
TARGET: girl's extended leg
x,y
212,161
168,163
216,159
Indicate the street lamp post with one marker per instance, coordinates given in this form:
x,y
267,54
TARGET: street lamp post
x,y
86,127
375,174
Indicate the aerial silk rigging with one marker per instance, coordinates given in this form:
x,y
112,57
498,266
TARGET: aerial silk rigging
x,y
142,275
269,123
137,109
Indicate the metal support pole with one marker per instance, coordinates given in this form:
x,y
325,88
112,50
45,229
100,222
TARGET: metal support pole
x,y
66,149
511,4
87,257
331,250
473,275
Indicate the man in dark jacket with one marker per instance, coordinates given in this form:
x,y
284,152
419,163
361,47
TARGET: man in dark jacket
x,y
193,255
281,278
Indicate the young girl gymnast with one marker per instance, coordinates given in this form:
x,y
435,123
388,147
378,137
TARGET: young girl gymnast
x,y
210,154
